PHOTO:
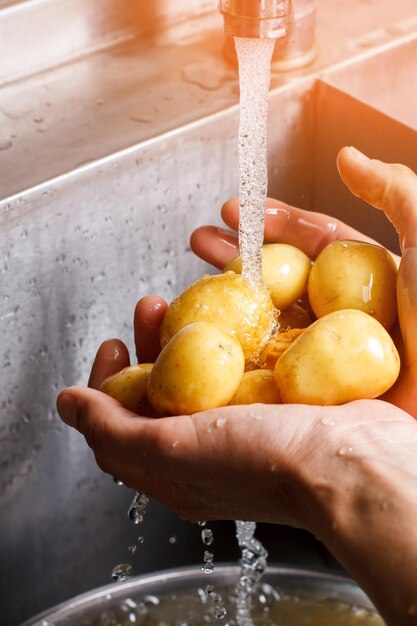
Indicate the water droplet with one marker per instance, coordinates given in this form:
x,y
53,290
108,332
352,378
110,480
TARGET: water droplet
x,y
220,612
122,572
132,549
207,536
327,421
141,540
142,119
208,566
173,539
137,509
344,451
136,516
201,523
207,75
220,423
118,482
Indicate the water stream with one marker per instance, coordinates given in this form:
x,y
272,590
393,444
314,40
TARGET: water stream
x,y
254,56
254,71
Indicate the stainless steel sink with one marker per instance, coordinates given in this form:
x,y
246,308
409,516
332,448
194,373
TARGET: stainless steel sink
x,y
107,163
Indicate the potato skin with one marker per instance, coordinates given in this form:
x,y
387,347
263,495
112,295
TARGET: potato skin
x,y
257,386
230,302
199,369
275,348
343,356
130,388
285,272
354,275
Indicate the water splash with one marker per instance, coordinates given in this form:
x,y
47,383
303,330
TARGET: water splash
x,y
122,572
207,537
253,565
137,509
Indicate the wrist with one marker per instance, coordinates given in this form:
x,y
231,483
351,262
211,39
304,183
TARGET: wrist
x,y
363,507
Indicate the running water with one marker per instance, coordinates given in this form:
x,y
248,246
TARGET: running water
x,y
137,510
209,595
254,57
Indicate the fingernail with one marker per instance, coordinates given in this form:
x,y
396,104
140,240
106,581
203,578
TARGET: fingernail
x,y
67,408
276,211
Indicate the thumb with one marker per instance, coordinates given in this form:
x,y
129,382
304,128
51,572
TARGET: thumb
x,y
388,186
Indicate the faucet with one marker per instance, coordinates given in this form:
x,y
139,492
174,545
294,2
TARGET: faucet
x,y
264,19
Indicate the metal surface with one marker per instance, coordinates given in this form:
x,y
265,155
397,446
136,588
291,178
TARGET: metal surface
x,y
107,163
39,34
255,18
295,582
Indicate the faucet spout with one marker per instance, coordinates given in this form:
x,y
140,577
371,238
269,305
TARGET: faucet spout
x,y
255,18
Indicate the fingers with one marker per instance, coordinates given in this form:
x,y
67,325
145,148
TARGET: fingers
x,y
125,437
306,230
148,317
404,394
386,186
112,356
407,304
214,245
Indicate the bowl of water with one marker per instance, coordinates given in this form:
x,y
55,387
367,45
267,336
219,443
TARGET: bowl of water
x,y
188,597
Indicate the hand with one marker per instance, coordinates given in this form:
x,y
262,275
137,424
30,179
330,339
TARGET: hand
x,y
391,188
344,473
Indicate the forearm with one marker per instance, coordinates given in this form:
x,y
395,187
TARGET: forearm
x,y
372,530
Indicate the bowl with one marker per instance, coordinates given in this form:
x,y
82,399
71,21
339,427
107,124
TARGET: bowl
x,y
286,596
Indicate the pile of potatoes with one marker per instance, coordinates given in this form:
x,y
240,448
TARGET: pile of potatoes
x,y
312,334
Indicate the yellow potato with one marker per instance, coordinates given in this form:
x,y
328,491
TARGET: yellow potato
x,y
285,271
230,302
257,386
343,356
199,369
295,316
354,275
130,388
277,346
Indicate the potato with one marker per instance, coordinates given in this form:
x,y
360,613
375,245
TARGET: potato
x,y
296,316
354,275
230,302
344,356
200,368
130,388
277,346
285,271
257,386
